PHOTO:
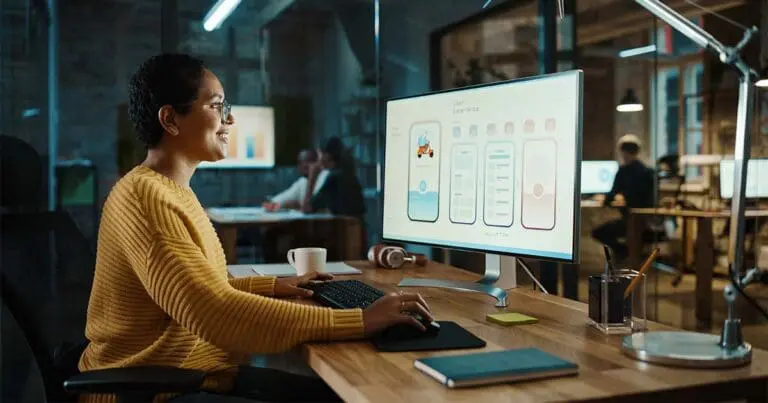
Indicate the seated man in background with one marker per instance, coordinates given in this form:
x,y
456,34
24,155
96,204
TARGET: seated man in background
x,y
635,182
292,197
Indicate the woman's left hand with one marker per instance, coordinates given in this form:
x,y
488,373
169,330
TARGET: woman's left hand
x,y
286,287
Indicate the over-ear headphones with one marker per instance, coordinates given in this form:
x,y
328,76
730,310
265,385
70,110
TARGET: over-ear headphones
x,y
393,257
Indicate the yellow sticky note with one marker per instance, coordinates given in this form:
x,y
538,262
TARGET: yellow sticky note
x,y
510,318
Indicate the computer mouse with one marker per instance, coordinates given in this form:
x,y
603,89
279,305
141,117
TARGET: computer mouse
x,y
432,326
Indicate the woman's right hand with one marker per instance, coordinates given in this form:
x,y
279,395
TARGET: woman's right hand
x,y
271,206
395,309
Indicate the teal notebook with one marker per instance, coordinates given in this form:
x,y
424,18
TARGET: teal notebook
x,y
495,367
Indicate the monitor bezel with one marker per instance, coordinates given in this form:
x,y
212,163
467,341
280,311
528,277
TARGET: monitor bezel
x,y
597,193
575,255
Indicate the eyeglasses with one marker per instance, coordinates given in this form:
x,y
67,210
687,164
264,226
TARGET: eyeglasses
x,y
224,108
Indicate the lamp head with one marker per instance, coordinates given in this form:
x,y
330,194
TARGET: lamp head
x,y
630,102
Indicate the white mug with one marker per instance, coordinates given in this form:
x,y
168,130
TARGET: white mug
x,y
307,260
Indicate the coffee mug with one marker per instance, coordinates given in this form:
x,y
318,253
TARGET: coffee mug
x,y
307,260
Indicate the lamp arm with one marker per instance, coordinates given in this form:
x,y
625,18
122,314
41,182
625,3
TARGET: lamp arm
x,y
729,56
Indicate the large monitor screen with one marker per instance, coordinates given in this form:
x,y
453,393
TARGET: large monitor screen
x,y
492,168
251,139
757,178
597,176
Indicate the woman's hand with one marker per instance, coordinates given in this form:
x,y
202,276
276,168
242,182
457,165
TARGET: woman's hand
x,y
271,206
286,287
393,309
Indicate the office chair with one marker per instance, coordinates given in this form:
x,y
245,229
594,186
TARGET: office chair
x,y
59,373
24,257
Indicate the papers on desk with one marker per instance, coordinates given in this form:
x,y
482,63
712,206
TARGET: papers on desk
x,y
591,203
286,270
251,213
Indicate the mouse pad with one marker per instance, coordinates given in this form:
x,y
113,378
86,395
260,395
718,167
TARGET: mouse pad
x,y
451,336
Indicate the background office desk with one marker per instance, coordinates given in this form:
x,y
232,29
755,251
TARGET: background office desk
x,y
228,220
702,249
358,373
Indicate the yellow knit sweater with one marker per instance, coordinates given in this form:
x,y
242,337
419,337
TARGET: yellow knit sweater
x,y
161,294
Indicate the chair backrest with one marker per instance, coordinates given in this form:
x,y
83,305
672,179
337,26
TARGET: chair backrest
x,y
21,378
21,176
47,269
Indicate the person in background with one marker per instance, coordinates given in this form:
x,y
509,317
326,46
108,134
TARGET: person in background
x,y
341,194
161,294
292,197
635,182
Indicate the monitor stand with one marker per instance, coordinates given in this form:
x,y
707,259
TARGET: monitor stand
x,y
486,285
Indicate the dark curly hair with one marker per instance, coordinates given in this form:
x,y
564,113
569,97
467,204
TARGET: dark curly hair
x,y
165,79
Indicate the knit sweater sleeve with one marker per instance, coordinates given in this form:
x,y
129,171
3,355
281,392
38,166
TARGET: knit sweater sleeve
x,y
255,285
179,278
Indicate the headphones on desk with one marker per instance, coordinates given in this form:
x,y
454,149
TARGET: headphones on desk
x,y
393,257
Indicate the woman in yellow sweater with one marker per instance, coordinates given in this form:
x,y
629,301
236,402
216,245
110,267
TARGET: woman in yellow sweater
x,y
161,294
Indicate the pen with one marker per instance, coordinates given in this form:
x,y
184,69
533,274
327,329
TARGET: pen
x,y
608,260
642,271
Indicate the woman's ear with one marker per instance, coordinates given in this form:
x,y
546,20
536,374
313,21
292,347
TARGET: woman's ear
x,y
167,117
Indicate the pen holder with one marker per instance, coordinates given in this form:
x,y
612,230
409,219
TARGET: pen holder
x,y
609,310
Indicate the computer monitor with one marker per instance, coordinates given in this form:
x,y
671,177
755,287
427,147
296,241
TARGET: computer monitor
x,y
491,168
757,178
251,139
597,176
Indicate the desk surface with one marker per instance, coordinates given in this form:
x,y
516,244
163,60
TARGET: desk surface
x,y
357,372
694,213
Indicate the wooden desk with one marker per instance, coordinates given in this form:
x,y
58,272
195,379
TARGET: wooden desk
x,y
358,373
228,220
702,250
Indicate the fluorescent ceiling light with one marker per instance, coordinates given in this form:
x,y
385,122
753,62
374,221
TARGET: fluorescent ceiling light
x,y
218,13
637,51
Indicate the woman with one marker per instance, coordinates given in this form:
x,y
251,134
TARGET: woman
x,y
341,194
161,295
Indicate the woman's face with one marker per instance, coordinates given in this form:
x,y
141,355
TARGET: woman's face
x,y
327,161
204,130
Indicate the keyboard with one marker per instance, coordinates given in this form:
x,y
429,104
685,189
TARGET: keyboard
x,y
344,294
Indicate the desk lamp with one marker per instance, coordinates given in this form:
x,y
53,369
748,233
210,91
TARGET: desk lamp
x,y
699,350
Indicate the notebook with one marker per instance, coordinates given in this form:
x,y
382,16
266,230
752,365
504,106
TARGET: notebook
x,y
495,367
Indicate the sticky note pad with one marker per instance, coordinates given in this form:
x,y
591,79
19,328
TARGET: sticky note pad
x,y
510,318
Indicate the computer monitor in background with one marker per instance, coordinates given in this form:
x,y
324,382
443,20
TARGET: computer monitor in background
x,y
491,168
757,179
597,176
251,139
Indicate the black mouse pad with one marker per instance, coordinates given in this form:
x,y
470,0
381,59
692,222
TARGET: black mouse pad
x,y
451,336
